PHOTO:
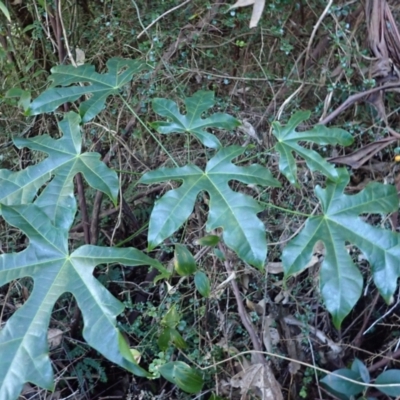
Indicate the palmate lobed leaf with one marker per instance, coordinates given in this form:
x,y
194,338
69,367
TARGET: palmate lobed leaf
x,y
340,280
234,212
120,72
23,344
288,139
64,161
47,260
193,122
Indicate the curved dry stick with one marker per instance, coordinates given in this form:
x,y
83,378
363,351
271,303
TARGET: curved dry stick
x,y
356,97
382,363
162,16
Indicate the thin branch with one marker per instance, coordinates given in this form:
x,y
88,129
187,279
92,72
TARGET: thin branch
x,y
242,312
162,16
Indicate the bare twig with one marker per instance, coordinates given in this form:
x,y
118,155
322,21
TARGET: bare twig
x,y
162,16
242,312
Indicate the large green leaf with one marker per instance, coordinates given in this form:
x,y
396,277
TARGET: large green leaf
x,y
47,260
236,213
64,161
340,280
120,72
288,139
23,344
193,122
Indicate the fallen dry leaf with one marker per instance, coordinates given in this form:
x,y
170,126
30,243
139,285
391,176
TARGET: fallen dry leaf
x,y
275,267
260,380
361,156
54,337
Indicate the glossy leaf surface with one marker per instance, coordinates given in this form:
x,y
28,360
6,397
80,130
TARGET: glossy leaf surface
x,y
63,162
288,139
340,280
54,269
23,344
193,122
234,212
63,90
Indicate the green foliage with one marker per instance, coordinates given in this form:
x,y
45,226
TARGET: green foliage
x,y
64,161
89,371
209,240
288,139
193,122
5,11
340,280
202,283
389,377
184,262
234,212
54,269
346,389
40,202
180,373
171,335
120,72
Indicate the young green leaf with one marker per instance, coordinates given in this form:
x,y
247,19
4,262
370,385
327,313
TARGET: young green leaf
x,y
209,240
182,375
177,339
236,213
171,318
120,72
202,283
341,281
23,344
288,139
171,335
23,95
193,122
5,11
163,339
184,262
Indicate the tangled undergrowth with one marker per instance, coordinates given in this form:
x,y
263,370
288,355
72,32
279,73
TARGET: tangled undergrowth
x,y
301,56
